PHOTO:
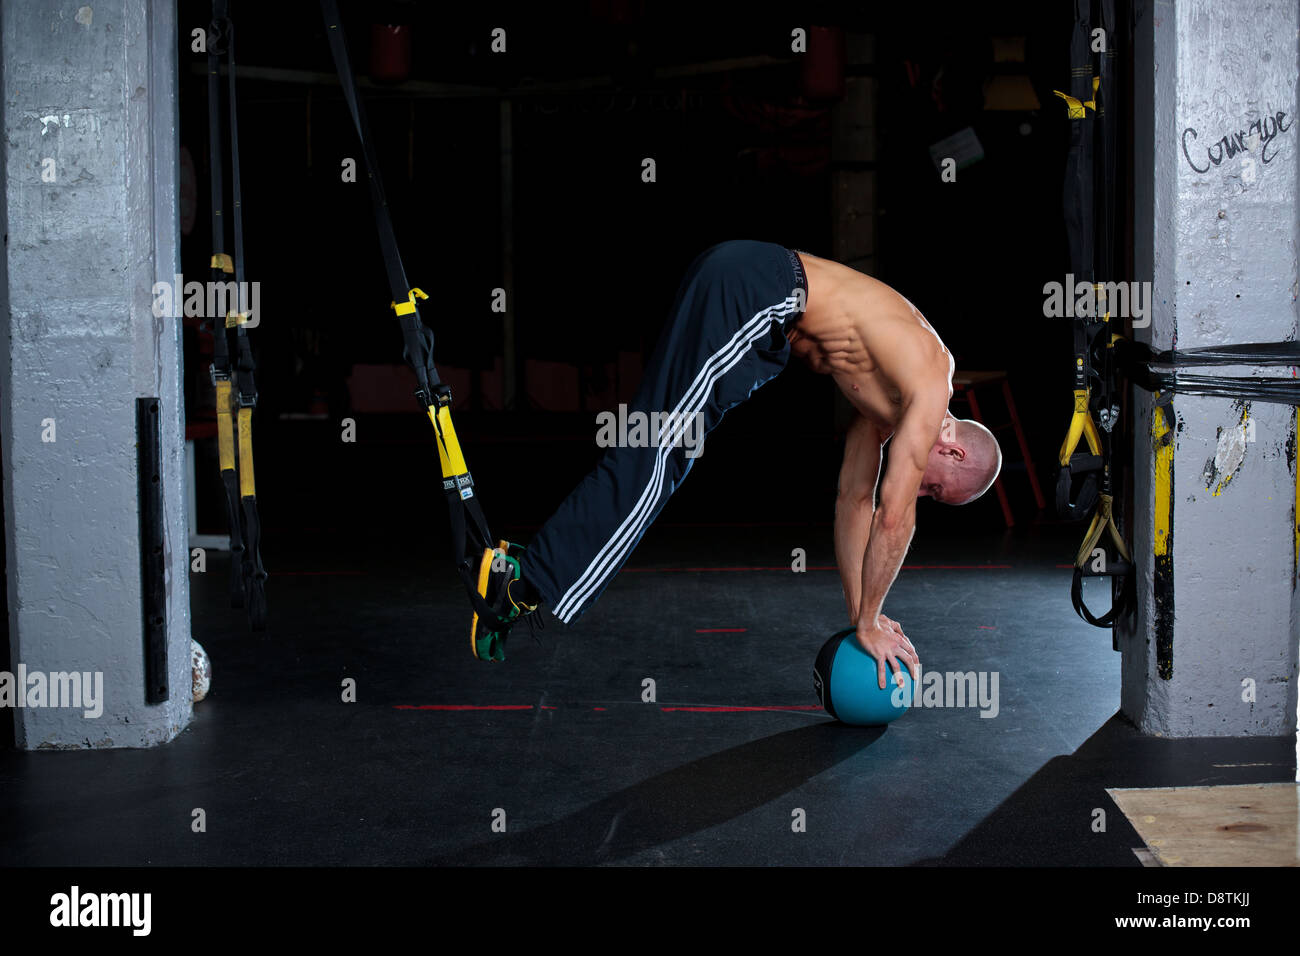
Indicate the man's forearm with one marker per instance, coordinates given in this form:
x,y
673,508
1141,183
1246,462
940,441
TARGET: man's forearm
x,y
886,546
852,534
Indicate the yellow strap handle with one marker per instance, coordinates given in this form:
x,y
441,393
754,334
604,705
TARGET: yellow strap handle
x,y
1079,110
449,453
407,307
225,433
222,261
1081,426
1102,520
247,488
234,319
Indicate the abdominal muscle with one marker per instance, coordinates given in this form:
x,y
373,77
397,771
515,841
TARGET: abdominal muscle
x,y
847,361
832,337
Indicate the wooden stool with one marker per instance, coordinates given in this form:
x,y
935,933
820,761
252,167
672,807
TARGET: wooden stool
x,y
964,385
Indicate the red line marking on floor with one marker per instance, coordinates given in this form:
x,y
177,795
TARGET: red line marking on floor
x,y
721,630
463,706
783,567
598,708
740,710
832,567
547,708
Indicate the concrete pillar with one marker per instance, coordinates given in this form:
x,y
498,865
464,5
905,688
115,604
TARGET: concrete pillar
x,y
1213,650
90,217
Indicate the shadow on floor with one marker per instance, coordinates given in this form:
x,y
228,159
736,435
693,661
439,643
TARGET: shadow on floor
x,y
1049,820
685,800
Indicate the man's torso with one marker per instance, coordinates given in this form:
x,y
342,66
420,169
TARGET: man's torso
x,y
858,330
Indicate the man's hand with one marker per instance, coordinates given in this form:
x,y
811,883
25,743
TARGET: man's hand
x,y
885,641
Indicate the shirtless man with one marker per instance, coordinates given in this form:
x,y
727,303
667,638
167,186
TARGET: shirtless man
x,y
743,309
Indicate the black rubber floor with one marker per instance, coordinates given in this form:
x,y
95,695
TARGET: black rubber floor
x,y
558,746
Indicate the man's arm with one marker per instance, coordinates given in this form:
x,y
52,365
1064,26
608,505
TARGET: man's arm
x,y
855,504
894,522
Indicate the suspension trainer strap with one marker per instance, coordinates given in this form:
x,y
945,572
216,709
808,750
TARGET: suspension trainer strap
x,y
222,271
1077,478
417,338
252,571
236,393
469,529
1084,481
1088,562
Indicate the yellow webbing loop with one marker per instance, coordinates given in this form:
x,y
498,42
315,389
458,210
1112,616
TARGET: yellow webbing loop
x,y
247,488
407,307
1081,425
225,433
449,453
222,261
1102,520
234,319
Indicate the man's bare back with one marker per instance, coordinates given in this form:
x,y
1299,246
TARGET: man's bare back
x,y
869,339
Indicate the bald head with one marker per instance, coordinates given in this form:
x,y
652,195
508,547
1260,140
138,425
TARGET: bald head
x,y
963,464
983,460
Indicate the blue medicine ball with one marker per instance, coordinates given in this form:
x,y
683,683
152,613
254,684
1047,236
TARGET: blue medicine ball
x,y
846,681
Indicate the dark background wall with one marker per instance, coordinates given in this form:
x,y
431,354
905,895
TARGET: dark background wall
x,y
598,253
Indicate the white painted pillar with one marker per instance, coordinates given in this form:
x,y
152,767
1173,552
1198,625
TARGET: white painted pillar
x,y
90,214
1216,232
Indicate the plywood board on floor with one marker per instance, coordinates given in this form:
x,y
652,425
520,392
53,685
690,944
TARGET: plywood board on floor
x,y
1248,825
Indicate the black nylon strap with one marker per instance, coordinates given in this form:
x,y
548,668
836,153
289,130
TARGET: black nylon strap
x,y
1278,391
1076,499
416,336
1090,192
469,530
1120,603
216,161
220,346
1138,359
246,367
248,575
1248,353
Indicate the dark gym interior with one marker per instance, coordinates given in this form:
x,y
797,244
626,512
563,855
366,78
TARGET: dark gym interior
x,y
561,739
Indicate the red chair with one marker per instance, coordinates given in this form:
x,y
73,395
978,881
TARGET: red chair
x,y
964,385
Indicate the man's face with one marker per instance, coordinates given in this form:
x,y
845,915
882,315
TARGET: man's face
x,y
943,479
